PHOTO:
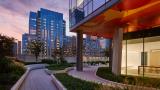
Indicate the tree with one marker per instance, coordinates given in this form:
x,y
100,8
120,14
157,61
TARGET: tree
x,y
107,52
58,55
35,47
61,55
6,46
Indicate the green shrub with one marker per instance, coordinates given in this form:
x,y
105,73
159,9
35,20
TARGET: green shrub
x,y
64,61
17,69
45,61
105,72
4,87
28,63
49,61
5,65
10,72
96,62
61,66
72,83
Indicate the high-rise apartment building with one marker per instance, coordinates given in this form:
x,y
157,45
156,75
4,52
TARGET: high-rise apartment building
x,y
64,28
69,46
32,23
14,49
92,46
46,26
50,28
28,37
25,40
19,47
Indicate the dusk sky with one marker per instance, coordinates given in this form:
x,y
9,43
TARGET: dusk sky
x,y
14,14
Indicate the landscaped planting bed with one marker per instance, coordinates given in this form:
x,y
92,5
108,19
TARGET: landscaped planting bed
x,y
105,72
59,66
10,72
72,83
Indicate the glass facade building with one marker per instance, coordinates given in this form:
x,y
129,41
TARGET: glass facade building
x,y
19,47
92,47
141,53
80,9
69,46
50,28
46,26
32,23
25,40
14,49
133,27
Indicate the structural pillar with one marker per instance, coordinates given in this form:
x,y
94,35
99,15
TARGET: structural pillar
x,y
110,55
117,51
79,64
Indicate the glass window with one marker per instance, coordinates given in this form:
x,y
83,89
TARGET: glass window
x,y
141,53
152,56
86,2
97,4
80,3
85,11
73,4
132,47
90,7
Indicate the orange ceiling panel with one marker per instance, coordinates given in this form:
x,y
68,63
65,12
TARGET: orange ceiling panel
x,y
131,4
135,14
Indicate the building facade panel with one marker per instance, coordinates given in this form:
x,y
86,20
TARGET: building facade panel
x,y
25,40
32,23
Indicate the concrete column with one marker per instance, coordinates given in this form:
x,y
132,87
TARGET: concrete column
x,y
110,55
79,64
117,51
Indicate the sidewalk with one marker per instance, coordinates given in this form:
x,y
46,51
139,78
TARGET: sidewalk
x,y
37,79
88,74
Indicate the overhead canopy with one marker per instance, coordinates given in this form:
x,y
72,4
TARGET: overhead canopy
x,y
132,14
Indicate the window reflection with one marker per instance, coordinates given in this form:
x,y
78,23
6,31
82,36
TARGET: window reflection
x,y
141,53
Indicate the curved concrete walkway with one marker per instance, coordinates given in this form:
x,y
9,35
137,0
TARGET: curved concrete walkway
x,y
38,80
88,74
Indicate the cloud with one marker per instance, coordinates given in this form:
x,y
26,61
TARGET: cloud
x,y
14,14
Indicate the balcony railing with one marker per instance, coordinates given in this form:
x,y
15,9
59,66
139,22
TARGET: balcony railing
x,y
84,9
149,69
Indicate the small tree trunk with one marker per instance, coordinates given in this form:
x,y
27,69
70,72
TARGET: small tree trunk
x,y
36,58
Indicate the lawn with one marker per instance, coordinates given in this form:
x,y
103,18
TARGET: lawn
x,y
105,72
61,66
72,83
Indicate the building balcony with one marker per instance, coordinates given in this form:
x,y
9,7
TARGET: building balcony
x,y
103,17
83,10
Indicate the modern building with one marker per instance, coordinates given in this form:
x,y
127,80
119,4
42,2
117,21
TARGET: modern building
x,y
32,23
92,47
19,48
25,40
64,28
28,37
50,28
132,25
69,46
14,49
